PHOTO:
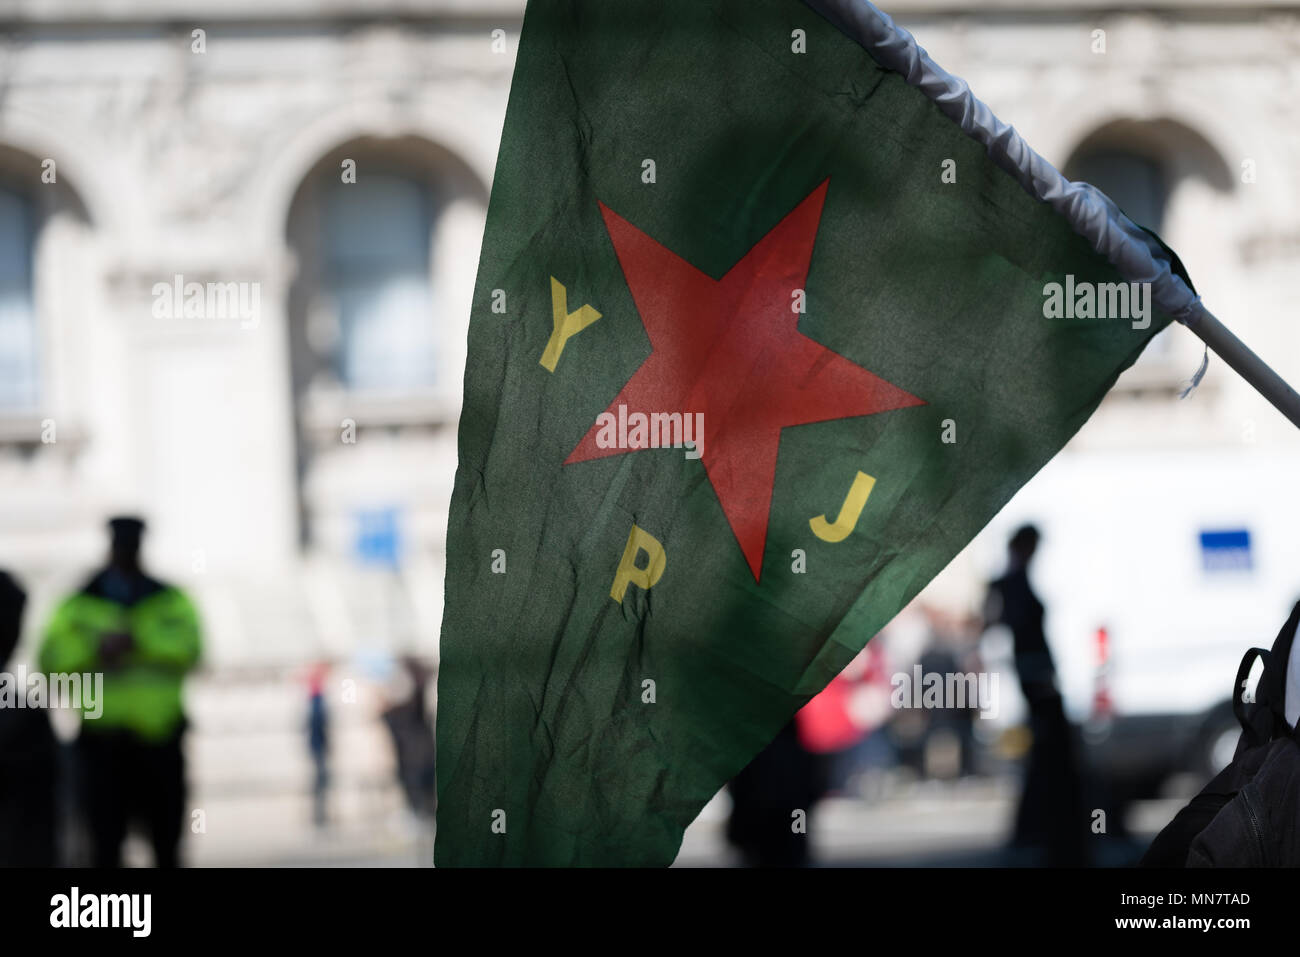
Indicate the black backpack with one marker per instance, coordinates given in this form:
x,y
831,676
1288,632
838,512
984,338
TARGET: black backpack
x,y
1247,815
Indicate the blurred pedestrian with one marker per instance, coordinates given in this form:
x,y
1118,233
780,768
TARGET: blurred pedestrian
x,y
1050,820
408,723
839,719
772,802
318,740
143,636
28,757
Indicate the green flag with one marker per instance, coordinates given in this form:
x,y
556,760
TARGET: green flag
x,y
761,338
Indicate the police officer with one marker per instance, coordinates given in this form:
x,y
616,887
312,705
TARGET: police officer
x,y
143,636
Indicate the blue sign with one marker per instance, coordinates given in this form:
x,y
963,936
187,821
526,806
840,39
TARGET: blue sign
x,y
1226,550
378,540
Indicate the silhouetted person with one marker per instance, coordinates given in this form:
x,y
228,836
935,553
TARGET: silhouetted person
x,y
413,742
1051,817
143,635
28,756
783,779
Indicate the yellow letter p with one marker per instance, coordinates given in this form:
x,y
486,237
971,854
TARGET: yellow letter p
x,y
628,573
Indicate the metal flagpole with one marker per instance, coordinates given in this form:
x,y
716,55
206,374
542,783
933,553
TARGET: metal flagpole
x,y
1245,363
1136,254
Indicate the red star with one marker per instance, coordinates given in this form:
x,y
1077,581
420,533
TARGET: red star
x,y
731,349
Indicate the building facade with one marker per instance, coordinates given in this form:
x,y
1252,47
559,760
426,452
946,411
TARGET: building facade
x,y
238,245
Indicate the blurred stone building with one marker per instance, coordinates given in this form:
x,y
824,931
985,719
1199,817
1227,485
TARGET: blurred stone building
x,y
293,449
296,465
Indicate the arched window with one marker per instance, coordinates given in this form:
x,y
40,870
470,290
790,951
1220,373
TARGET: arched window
x,y
375,260
384,235
1144,166
1137,183
1141,165
19,354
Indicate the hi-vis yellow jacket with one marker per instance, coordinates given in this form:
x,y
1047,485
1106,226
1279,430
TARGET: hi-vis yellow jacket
x,y
143,694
